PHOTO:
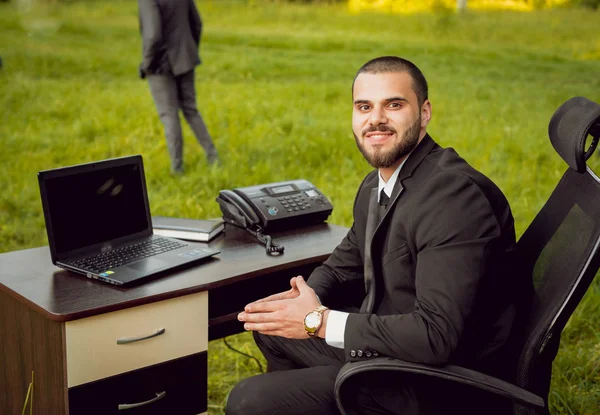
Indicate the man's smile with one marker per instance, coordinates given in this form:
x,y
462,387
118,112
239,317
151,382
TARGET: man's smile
x,y
376,137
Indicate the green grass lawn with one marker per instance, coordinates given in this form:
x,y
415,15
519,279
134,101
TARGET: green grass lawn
x,y
274,91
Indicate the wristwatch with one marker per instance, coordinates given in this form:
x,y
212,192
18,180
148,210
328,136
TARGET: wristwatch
x,y
313,320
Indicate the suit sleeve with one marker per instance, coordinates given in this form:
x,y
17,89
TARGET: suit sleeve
x,y
455,233
195,23
151,30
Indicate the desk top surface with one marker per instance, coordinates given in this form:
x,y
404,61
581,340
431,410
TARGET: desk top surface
x,y
29,275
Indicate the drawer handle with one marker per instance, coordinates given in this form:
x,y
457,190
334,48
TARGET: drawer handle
x,y
124,406
127,340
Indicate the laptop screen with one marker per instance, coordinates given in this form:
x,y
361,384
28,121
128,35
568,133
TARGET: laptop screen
x,y
95,206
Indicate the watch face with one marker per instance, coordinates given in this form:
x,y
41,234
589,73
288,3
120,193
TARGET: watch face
x,y
312,320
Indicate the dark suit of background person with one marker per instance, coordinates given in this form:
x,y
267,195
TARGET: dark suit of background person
x,y
171,31
435,287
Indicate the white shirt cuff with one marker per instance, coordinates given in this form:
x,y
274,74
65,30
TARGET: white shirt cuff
x,y
336,326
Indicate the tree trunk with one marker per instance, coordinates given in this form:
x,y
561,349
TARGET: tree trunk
x,y
461,5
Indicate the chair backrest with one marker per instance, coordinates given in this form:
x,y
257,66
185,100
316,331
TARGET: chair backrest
x,y
560,248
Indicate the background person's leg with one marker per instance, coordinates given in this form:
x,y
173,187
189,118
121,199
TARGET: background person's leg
x,y
187,102
164,93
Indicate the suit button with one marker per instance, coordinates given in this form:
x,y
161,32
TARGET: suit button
x,y
368,353
359,353
375,354
352,353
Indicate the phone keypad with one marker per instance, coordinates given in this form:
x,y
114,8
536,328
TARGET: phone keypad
x,y
294,203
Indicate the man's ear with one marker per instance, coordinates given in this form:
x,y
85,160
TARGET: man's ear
x,y
425,113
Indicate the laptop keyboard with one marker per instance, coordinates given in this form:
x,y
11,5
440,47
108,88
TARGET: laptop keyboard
x,y
127,254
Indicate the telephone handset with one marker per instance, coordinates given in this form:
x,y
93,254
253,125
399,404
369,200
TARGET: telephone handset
x,y
274,206
236,210
239,213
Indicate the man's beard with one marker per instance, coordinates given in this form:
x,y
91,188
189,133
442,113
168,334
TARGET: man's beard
x,y
380,158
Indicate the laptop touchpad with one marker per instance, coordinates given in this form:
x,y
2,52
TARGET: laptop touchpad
x,y
148,264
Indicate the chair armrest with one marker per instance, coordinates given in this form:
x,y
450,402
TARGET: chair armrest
x,y
449,372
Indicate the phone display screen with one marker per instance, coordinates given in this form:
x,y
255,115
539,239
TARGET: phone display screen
x,y
282,189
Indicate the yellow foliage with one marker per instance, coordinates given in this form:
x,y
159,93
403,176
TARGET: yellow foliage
x,y
412,6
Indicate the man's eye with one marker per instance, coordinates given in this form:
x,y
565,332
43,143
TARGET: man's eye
x,y
394,105
363,107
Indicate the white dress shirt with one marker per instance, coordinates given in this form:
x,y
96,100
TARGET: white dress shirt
x,y
336,322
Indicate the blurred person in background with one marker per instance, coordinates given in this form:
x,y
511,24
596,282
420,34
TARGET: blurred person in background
x,y
171,31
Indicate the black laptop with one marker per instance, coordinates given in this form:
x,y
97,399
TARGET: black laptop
x,y
99,224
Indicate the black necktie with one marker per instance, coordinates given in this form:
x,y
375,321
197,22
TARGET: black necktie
x,y
383,198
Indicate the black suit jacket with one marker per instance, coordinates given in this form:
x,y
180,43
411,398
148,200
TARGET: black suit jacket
x,y
441,285
171,31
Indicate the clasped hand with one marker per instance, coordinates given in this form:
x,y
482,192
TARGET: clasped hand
x,y
282,314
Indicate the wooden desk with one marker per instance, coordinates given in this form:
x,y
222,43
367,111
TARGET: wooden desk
x,y
64,327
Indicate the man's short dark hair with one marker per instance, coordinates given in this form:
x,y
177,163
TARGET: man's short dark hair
x,y
394,64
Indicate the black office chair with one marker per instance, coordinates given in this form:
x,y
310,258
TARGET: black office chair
x,y
559,250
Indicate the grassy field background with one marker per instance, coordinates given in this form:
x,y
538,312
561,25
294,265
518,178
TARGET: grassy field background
x,y
274,90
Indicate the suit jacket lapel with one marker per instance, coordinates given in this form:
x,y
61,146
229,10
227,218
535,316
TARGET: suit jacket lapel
x,y
417,156
375,222
372,222
413,161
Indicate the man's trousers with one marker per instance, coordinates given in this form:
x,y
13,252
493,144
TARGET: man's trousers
x,y
301,378
174,93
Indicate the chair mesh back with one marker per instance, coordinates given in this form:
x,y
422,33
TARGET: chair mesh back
x,y
562,254
559,251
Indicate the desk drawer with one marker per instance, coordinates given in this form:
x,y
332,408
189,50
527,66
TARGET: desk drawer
x,y
91,343
175,387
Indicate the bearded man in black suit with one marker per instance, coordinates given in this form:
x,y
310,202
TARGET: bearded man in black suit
x,y
423,274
